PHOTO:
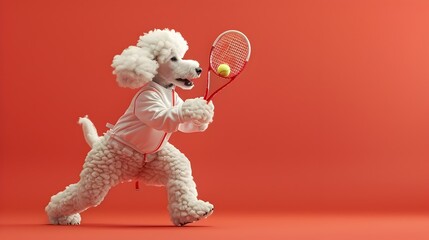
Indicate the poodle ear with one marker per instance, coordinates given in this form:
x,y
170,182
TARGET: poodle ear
x,y
134,67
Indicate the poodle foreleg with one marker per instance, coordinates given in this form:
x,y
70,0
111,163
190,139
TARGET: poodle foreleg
x,y
172,169
183,207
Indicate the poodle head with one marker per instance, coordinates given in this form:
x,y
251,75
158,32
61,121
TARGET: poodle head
x,y
157,56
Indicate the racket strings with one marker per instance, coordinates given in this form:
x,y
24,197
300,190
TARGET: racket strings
x,y
232,49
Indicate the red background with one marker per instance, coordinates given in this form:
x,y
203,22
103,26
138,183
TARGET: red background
x,y
331,113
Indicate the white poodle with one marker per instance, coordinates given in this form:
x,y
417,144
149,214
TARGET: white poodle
x,y
136,147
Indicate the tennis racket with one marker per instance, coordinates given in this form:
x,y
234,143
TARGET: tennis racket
x,y
233,49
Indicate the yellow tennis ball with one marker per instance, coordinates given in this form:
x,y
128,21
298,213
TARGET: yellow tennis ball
x,y
224,70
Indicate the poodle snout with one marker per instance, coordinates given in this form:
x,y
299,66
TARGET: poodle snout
x,y
198,70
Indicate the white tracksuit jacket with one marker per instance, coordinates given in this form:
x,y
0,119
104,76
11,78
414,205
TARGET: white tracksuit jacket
x,y
153,115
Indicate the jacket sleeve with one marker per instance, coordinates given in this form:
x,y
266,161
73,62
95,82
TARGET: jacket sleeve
x,y
152,111
189,126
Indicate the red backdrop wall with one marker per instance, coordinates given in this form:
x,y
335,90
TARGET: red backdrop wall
x,y
331,114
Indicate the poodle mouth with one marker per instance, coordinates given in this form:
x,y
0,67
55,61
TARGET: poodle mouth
x,y
185,81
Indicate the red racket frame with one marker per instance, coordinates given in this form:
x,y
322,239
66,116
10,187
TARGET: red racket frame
x,y
231,79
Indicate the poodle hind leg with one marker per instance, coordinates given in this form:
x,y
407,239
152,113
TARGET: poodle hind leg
x,y
62,203
96,179
64,207
172,169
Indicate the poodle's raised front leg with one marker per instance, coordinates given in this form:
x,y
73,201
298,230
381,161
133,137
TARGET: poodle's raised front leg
x,y
172,169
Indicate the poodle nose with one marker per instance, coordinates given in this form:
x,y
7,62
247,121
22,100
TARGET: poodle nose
x,y
198,70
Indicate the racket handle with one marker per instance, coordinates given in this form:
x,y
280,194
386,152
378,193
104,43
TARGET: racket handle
x,y
205,95
208,85
215,92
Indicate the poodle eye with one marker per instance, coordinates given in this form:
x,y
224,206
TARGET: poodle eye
x,y
174,59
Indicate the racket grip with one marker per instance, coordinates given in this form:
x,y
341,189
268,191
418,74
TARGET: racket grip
x,y
205,95
208,86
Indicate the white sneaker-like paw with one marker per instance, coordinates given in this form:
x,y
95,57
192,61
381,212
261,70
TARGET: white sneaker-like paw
x,y
73,219
190,212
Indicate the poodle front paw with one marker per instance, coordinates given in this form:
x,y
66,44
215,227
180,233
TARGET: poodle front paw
x,y
73,219
190,212
198,111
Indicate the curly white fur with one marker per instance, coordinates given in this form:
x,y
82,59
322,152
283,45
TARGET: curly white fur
x,y
111,162
198,110
163,43
136,66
